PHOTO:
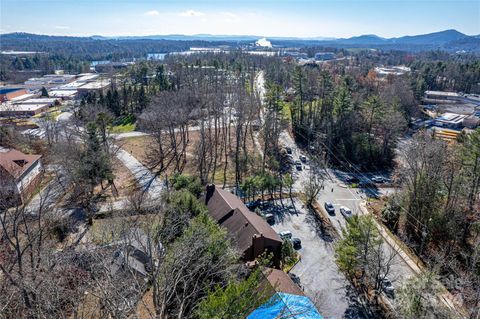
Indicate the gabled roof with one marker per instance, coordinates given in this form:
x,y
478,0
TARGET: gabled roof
x,y
281,282
230,212
15,162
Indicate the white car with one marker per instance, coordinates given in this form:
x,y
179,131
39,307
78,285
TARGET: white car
x,y
286,234
346,212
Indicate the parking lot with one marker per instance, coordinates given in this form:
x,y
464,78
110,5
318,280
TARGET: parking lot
x,y
319,276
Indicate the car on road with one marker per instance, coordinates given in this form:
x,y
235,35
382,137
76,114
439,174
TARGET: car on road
x,y
289,150
303,158
286,234
346,212
329,208
387,288
296,243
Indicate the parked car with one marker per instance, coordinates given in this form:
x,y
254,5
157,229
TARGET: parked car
x,y
296,243
270,218
329,208
387,287
346,212
289,150
378,179
294,278
298,167
286,234
254,204
303,158
351,179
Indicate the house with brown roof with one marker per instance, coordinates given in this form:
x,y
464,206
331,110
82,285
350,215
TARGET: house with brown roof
x,y
277,280
249,232
20,174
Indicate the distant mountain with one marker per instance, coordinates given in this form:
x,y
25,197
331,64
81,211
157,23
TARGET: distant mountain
x,y
448,40
431,38
363,39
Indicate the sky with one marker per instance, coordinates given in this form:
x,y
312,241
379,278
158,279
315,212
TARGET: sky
x,y
296,18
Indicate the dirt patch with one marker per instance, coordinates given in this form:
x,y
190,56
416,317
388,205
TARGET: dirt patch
x,y
139,147
145,307
123,183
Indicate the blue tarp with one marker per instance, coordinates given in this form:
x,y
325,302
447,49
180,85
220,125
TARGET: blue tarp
x,y
283,305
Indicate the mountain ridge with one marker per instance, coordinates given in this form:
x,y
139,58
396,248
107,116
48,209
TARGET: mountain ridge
x,y
450,40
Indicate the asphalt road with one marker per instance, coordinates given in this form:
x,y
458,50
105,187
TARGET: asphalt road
x,y
339,194
319,275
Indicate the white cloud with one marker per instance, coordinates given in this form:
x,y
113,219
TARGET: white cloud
x,y
151,13
191,13
62,27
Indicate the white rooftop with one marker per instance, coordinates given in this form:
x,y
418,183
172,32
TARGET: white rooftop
x,y
451,117
84,77
45,100
95,85
442,93
22,97
21,107
62,93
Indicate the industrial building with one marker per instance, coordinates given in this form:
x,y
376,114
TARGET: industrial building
x,y
7,94
22,110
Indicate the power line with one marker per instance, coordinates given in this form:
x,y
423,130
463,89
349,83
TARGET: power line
x,y
358,172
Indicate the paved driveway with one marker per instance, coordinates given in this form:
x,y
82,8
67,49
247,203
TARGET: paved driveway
x,y
319,275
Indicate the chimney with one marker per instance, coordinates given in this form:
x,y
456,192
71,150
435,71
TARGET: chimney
x,y
209,192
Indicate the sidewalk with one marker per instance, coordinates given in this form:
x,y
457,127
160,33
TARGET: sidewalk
x,y
146,179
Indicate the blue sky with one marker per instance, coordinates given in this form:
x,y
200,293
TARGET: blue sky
x,y
329,18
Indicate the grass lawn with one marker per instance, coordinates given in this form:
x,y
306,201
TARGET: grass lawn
x,y
286,111
123,128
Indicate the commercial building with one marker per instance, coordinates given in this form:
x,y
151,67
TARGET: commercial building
x,y
21,110
324,56
51,101
20,174
443,97
63,94
98,86
24,97
391,70
450,120
49,80
7,94
249,232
